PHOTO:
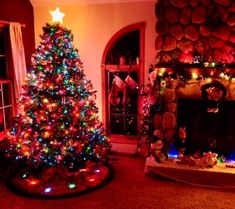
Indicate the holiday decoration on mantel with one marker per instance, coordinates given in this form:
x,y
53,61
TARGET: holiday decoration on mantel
x,y
175,76
197,72
214,93
58,142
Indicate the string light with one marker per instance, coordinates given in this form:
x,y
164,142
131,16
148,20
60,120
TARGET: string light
x,y
194,75
209,80
72,185
47,189
33,182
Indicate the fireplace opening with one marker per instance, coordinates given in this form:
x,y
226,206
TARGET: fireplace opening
x,y
207,131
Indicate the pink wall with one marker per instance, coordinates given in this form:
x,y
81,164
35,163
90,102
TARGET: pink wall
x,y
94,25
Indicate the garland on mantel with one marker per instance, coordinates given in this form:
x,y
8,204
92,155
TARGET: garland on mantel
x,y
178,75
195,71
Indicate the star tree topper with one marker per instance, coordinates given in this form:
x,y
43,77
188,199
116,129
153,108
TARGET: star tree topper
x,y
57,15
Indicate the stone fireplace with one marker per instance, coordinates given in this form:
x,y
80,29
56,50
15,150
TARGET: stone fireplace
x,y
185,106
195,49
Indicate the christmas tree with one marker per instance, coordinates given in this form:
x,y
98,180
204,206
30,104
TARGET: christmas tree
x,y
59,129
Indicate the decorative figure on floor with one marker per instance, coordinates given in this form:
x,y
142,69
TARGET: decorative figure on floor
x,y
205,160
58,137
181,141
210,159
157,147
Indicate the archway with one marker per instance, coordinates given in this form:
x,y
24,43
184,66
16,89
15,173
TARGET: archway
x,y
122,75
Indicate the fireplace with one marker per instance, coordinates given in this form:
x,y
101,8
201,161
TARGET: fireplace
x,y
194,75
210,136
207,131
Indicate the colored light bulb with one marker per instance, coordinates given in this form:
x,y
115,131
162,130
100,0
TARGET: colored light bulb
x,y
48,189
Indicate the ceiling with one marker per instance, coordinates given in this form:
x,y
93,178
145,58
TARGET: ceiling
x,y
46,3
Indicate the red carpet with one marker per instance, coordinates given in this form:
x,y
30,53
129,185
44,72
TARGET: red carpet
x,y
129,189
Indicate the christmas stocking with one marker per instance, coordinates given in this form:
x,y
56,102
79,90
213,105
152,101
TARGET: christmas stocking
x,y
131,83
119,82
114,98
118,85
126,98
152,78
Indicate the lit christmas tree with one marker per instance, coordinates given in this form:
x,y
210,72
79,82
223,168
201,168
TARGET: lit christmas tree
x,y
58,130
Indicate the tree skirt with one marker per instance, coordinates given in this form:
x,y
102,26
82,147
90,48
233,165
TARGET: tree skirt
x,y
58,182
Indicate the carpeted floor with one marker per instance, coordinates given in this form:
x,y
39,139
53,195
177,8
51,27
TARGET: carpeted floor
x,y
130,188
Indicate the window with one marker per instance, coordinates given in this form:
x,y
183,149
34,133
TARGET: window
x,y
122,74
6,90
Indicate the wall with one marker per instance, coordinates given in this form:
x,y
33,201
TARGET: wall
x,y
20,11
189,28
94,25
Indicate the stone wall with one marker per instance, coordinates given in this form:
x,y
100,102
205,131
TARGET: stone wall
x,y
186,28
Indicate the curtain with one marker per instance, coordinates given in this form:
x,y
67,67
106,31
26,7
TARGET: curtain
x,y
18,56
